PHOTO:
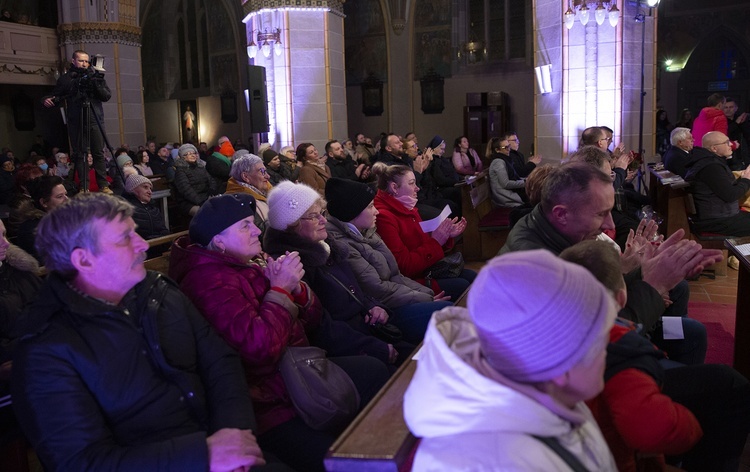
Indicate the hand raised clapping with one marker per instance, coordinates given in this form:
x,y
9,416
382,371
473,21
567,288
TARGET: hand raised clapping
x,y
285,272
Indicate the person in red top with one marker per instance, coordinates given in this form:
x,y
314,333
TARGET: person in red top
x,y
711,118
650,406
398,225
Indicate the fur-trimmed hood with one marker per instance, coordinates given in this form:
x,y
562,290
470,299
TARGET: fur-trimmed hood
x,y
21,259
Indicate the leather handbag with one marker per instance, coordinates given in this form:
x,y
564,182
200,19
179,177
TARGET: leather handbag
x,y
322,393
448,267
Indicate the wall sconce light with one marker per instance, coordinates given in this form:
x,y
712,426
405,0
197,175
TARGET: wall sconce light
x,y
543,79
580,9
265,39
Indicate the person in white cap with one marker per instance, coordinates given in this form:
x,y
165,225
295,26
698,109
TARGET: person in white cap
x,y
501,384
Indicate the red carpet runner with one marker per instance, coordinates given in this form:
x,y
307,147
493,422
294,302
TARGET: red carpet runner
x,y
719,321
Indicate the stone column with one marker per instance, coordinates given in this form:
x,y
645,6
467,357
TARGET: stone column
x,y
596,72
306,84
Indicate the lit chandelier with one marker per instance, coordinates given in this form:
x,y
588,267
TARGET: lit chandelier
x,y
602,9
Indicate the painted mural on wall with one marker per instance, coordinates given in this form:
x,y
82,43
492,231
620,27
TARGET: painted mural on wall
x,y
432,38
224,74
365,52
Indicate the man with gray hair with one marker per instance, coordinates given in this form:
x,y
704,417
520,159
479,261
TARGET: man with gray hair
x,y
116,369
249,175
680,153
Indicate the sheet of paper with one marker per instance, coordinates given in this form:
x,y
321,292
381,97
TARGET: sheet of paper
x,y
430,225
416,354
672,327
744,249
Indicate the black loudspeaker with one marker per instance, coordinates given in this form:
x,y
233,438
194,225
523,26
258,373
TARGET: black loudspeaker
x,y
258,100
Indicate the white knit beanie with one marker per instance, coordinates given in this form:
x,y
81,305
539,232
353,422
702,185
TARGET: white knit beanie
x,y
536,315
287,202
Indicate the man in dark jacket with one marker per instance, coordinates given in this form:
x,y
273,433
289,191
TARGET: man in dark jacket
x,y
80,85
343,166
680,153
716,192
116,369
577,199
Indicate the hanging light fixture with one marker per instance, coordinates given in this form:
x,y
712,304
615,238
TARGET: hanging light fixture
x,y
252,49
600,13
583,14
603,9
614,15
569,17
265,39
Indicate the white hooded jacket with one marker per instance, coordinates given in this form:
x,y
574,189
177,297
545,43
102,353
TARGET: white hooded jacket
x,y
471,422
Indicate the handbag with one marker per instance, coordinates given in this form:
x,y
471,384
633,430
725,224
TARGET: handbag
x,y
387,332
322,393
448,267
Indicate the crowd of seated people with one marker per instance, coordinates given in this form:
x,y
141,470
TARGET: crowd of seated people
x,y
342,263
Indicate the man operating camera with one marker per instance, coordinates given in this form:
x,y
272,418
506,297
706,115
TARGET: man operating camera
x,y
80,86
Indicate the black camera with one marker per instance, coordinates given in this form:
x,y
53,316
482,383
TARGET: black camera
x,y
83,79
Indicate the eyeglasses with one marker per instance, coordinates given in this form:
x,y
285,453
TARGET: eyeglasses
x,y
262,171
515,140
315,216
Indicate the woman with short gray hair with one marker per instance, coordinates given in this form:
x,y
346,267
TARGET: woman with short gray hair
x,y
249,175
192,184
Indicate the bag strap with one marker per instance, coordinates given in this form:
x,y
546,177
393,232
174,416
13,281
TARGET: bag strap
x,y
554,444
356,298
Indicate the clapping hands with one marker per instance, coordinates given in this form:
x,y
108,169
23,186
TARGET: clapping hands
x,y
285,272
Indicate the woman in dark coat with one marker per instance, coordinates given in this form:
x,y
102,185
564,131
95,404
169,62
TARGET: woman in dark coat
x,y
192,184
297,223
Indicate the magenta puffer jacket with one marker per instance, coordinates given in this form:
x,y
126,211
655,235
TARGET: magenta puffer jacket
x,y
258,322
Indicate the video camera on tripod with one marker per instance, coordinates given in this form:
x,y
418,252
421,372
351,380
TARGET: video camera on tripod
x,y
84,80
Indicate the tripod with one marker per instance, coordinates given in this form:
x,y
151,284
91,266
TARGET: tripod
x,y
85,141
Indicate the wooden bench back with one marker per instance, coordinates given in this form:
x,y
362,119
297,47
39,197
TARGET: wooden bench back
x,y
378,439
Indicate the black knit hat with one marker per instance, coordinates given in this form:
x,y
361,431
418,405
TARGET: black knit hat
x,y
219,213
435,142
347,198
268,156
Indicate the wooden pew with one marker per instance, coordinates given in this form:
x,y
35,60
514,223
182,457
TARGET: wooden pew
x,y
378,439
161,263
667,191
487,227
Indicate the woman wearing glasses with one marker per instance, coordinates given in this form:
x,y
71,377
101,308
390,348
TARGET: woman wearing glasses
x,y
249,175
506,185
297,222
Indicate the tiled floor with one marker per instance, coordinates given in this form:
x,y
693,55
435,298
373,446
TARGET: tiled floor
x,y
719,290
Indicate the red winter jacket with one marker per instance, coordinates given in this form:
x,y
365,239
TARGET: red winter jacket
x,y
414,249
637,419
709,119
260,323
